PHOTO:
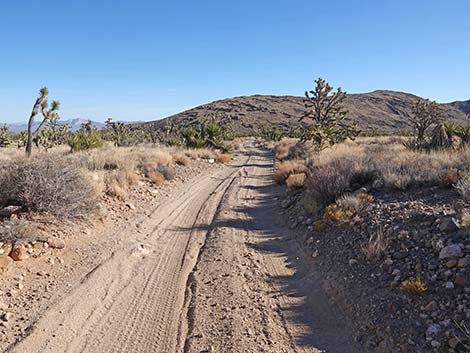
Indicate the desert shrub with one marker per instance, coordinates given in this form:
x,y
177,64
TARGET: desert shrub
x,y
166,171
325,184
356,203
224,158
296,181
336,213
84,140
115,190
414,287
281,149
463,187
181,159
284,169
48,185
13,230
156,177
201,153
376,246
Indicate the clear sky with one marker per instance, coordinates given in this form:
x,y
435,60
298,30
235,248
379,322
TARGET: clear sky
x,y
146,59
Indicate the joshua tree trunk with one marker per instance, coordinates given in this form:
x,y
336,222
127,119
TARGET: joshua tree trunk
x,y
41,102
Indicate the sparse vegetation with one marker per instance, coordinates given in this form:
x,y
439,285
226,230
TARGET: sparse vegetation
x,y
325,120
414,287
284,169
49,185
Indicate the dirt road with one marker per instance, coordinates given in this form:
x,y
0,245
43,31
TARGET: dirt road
x,y
210,271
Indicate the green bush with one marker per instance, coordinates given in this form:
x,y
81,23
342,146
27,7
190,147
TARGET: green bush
x,y
85,140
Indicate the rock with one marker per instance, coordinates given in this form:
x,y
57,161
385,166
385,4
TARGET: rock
x,y
451,263
19,277
462,279
6,248
55,243
131,206
211,160
360,191
9,211
286,203
449,285
5,263
19,252
309,241
433,329
449,224
465,262
352,262
6,317
435,343
450,251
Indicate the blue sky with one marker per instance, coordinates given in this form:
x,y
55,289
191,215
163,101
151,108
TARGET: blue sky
x,y
143,60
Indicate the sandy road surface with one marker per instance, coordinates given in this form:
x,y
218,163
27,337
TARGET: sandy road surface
x,y
211,271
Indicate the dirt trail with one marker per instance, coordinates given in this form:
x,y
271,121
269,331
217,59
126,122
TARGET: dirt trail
x,y
211,271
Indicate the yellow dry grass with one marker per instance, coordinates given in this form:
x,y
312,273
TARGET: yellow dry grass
x,y
284,169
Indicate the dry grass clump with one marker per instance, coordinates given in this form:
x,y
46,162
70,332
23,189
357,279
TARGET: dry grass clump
x,y
290,149
351,165
463,187
181,159
296,181
224,158
414,287
284,169
156,177
201,153
15,229
356,203
376,246
47,185
324,185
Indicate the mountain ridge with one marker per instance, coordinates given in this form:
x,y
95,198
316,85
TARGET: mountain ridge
x,y
383,110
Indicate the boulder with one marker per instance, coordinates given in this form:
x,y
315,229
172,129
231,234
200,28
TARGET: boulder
x,y
451,251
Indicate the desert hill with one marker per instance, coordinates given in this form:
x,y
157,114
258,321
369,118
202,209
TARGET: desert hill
x,y
382,110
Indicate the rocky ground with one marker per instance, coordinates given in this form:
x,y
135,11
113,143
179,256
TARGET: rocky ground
x,y
51,253
427,237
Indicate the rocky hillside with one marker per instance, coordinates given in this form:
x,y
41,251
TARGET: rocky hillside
x,y
383,110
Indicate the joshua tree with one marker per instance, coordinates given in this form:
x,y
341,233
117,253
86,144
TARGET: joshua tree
x,y
424,114
41,103
325,118
118,130
5,137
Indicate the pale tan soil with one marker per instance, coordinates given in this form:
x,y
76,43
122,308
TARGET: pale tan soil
x,y
250,291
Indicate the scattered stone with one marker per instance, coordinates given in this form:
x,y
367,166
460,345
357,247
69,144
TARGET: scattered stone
x,y
5,317
19,252
449,224
55,243
433,329
352,262
449,285
450,251
462,279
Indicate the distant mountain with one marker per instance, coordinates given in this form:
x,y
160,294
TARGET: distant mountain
x,y
74,124
383,110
